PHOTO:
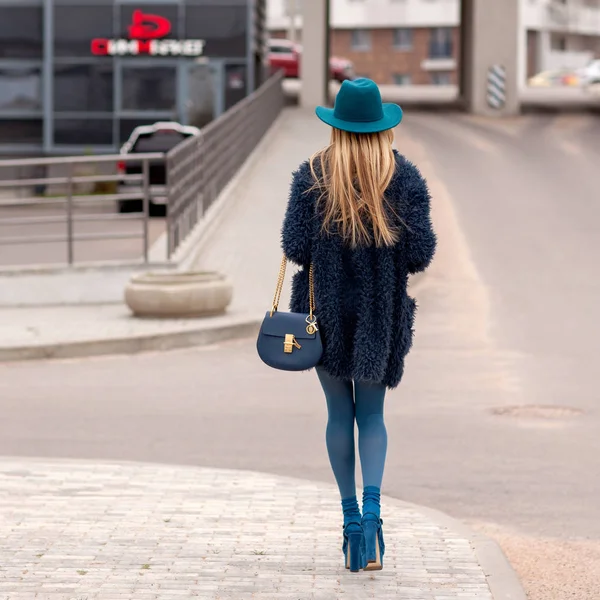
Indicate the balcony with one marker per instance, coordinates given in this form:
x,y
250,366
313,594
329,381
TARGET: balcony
x,y
439,64
574,18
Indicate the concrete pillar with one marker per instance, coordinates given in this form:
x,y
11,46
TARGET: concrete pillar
x,y
522,56
491,32
315,53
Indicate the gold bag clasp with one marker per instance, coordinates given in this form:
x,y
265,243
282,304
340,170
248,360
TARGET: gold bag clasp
x,y
289,343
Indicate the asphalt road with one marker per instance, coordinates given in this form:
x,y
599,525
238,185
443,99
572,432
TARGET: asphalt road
x,y
497,420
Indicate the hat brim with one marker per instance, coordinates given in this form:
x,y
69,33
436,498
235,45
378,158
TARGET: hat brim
x,y
392,116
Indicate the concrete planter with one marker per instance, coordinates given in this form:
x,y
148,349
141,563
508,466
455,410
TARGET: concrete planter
x,y
177,295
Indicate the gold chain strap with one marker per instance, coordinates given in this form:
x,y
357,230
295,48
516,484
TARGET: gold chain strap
x,y
311,292
279,288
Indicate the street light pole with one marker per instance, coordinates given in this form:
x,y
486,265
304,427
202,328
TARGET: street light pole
x,y
293,12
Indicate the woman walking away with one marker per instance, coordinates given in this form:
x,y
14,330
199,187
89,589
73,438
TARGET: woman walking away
x,y
359,213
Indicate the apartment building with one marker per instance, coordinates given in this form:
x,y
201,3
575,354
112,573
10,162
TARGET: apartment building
x,y
391,41
418,41
559,34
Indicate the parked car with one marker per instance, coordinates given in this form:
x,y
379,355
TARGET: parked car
x,y
160,137
590,75
564,77
285,56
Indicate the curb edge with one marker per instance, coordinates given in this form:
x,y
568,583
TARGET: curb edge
x,y
171,340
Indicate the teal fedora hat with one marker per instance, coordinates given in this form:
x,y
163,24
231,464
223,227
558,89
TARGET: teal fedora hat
x,y
359,109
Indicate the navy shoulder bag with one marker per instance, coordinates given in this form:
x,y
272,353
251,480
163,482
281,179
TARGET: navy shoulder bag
x,y
290,341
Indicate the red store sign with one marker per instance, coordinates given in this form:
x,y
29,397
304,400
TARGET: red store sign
x,y
147,36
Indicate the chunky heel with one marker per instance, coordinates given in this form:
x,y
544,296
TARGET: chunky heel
x,y
354,560
374,546
370,530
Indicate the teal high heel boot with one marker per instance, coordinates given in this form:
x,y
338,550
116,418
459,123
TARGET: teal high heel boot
x,y
353,545
372,529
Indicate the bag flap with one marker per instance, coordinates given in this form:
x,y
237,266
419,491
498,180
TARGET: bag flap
x,y
282,323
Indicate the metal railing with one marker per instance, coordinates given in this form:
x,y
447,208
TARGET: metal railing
x,y
69,197
199,168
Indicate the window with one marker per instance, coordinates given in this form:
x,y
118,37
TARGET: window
x,y
223,27
558,42
276,48
159,141
21,88
149,88
441,78
21,32
402,79
21,131
360,40
93,21
83,132
84,87
235,84
440,43
403,39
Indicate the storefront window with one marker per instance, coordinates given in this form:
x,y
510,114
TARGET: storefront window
x,y
21,131
235,84
83,132
21,32
76,26
84,87
169,12
21,88
151,88
223,27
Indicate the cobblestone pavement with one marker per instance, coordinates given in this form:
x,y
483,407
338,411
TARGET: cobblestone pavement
x,y
85,530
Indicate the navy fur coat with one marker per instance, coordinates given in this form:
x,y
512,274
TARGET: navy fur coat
x,y
364,313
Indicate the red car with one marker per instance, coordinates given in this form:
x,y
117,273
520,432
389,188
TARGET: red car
x,y
285,56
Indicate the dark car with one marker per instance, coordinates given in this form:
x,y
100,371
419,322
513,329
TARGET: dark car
x,y
160,137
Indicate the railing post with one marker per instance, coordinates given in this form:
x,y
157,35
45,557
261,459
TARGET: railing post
x,y
169,207
70,213
146,203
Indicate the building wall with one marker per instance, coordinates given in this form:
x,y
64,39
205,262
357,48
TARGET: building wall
x,y
577,21
373,13
384,62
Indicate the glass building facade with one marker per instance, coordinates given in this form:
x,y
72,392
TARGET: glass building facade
x,y
78,75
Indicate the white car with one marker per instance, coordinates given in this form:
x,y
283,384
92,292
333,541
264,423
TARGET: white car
x,y
160,137
590,75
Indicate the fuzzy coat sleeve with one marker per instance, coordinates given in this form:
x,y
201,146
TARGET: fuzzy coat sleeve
x,y
420,239
296,235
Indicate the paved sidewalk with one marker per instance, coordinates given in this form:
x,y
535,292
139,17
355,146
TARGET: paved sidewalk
x,y
85,530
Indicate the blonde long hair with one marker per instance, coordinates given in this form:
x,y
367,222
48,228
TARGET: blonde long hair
x,y
355,171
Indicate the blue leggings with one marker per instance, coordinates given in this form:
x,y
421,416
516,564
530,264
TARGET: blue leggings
x,y
346,403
